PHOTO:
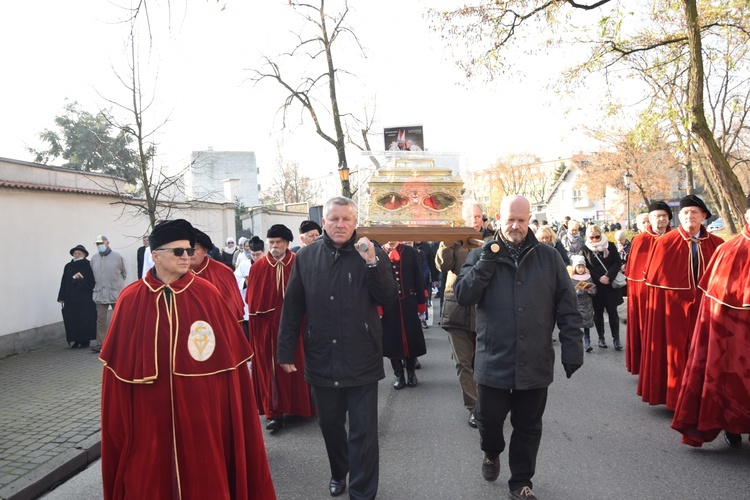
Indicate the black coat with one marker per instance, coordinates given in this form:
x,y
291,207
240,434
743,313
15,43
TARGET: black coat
x,y
517,308
606,296
339,297
79,310
402,330
226,258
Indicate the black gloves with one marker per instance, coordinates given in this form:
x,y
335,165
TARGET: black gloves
x,y
570,369
490,251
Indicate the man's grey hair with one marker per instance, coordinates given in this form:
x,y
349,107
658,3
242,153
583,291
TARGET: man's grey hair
x,y
468,208
341,201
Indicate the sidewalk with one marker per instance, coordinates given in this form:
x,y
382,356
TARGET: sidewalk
x,y
49,418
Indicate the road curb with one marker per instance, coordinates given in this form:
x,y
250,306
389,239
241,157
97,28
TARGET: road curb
x,y
55,471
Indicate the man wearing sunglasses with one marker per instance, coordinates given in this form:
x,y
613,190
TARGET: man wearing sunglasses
x,y
216,273
176,417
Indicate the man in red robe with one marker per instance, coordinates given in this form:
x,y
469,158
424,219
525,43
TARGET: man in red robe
x,y
277,392
715,393
217,274
677,262
659,215
176,419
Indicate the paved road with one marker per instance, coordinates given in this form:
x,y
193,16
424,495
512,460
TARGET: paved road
x,y
600,442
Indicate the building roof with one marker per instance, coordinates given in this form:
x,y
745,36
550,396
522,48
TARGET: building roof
x,y
59,189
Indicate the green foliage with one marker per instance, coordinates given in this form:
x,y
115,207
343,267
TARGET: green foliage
x,y
89,143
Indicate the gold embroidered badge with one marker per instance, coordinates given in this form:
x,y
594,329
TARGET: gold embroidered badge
x,y
201,341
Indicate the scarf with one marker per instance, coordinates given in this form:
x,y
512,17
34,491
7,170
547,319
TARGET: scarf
x,y
599,247
515,250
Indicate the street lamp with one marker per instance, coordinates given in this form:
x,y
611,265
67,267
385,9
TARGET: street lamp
x,y
627,178
344,176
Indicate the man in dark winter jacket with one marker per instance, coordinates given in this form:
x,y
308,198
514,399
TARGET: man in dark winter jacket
x,y
336,285
520,287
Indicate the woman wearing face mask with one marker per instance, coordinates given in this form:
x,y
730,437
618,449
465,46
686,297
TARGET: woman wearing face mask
x,y
76,297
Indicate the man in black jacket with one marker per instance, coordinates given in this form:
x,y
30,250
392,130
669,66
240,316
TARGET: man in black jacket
x,y
335,286
520,288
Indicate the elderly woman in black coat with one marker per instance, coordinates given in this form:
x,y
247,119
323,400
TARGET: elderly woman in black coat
x,y
603,261
76,296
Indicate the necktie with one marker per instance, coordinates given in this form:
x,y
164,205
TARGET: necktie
x,y
694,248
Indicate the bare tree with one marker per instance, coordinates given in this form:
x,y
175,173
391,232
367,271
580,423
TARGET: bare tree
x,y
289,185
522,174
491,30
309,91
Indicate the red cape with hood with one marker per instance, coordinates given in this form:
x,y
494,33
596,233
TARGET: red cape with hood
x,y
635,271
177,421
671,311
715,393
277,392
224,280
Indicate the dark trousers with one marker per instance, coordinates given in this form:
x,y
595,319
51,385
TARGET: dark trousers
x,y
614,321
356,454
526,409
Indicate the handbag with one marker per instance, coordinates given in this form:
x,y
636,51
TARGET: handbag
x,y
619,281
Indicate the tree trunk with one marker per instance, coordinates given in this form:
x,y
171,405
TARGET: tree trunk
x,y
718,167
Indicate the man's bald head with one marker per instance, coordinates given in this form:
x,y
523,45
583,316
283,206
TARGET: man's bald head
x,y
514,217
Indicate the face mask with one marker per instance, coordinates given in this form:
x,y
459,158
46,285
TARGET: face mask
x,y
101,248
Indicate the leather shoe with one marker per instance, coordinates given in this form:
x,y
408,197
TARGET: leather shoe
x,y
275,424
472,420
490,468
733,440
336,488
617,344
411,379
417,364
602,344
400,382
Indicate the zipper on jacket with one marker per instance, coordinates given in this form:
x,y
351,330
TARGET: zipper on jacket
x,y
350,280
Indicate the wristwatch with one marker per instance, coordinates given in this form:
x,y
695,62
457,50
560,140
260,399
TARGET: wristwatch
x,y
373,264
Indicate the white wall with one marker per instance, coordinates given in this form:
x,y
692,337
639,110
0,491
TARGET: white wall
x,y
46,211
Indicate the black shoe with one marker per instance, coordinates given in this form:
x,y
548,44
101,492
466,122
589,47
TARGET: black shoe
x,y
417,364
602,343
411,379
472,420
587,344
490,468
524,493
733,440
400,382
96,348
275,424
75,345
617,344
336,488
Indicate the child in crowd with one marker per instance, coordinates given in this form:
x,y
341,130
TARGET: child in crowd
x,y
585,288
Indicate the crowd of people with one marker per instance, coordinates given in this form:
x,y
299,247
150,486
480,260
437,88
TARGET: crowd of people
x,y
262,327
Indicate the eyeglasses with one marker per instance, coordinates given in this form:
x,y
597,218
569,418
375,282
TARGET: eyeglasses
x,y
595,237
177,251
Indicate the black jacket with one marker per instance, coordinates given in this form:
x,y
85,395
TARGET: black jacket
x,y
516,313
337,294
606,296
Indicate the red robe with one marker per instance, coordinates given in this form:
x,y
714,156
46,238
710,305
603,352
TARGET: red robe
x,y
715,393
635,271
671,311
276,392
176,419
224,280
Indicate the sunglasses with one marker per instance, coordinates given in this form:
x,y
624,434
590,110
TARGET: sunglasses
x,y
177,251
594,237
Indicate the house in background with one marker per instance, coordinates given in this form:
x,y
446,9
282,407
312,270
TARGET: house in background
x,y
204,179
